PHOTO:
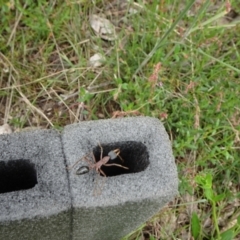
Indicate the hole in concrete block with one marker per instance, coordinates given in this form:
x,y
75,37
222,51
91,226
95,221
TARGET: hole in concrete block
x,y
134,154
16,175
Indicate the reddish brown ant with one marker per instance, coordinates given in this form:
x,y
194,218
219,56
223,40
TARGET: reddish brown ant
x,y
113,154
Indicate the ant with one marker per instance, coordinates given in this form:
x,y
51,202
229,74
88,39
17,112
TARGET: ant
x,y
113,154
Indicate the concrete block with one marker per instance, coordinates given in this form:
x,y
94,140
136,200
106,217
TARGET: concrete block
x,y
111,207
35,201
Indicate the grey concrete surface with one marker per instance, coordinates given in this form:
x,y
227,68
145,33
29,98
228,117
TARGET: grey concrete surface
x,y
110,207
40,199
35,201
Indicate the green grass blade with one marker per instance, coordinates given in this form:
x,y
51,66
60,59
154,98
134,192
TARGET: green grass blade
x,y
161,40
220,61
195,226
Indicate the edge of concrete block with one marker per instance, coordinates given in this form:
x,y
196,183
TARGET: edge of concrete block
x,y
125,197
43,211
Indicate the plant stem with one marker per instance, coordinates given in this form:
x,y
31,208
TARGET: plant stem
x,y
215,219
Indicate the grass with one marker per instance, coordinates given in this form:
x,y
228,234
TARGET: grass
x,y
173,61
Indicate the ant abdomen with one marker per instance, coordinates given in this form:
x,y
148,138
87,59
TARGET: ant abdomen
x,y
82,170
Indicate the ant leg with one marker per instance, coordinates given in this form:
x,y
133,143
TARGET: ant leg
x,y
84,157
101,171
120,158
90,163
101,150
114,164
94,159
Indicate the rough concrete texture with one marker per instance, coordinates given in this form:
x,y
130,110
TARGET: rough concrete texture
x,y
111,207
37,204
